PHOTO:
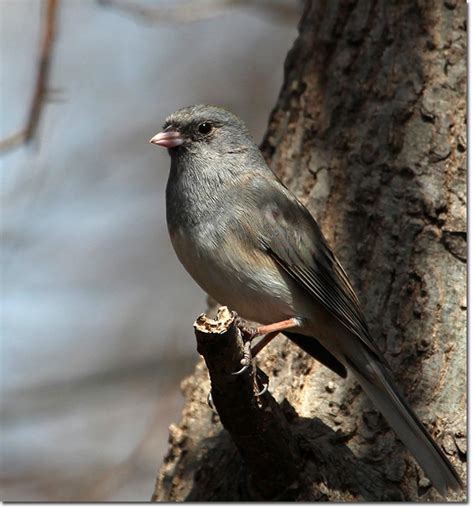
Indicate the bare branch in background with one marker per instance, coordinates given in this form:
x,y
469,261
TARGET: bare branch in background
x,y
42,75
190,11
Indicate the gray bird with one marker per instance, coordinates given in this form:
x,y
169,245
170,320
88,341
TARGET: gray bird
x,y
251,245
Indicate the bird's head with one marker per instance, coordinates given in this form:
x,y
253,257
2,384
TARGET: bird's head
x,y
205,131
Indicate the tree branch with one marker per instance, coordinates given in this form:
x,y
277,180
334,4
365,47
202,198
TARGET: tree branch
x,y
255,422
42,75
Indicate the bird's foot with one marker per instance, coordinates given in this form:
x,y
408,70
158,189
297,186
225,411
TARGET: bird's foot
x,y
263,390
248,333
210,402
246,359
261,380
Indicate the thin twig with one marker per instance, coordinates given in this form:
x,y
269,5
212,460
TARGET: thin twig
x,y
42,75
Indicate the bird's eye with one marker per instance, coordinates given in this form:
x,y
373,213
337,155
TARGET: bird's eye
x,y
205,127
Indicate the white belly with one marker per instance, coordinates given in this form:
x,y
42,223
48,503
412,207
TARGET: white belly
x,y
247,282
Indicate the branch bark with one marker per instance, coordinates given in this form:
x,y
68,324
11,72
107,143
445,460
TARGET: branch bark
x,y
250,414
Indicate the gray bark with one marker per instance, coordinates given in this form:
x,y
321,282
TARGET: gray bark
x,y
369,132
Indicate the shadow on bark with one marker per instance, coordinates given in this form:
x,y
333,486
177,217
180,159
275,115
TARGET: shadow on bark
x,y
335,465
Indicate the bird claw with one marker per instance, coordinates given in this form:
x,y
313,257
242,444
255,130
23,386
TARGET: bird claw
x,y
246,360
210,402
248,333
263,391
241,370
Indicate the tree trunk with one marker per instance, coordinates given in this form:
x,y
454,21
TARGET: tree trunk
x,y
369,132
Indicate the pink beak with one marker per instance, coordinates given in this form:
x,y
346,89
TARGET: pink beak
x,y
168,139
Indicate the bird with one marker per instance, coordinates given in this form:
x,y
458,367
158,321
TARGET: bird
x,y
249,243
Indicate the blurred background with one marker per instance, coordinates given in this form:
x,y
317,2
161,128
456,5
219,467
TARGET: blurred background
x,y
96,312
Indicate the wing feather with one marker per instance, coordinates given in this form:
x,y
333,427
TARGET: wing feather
x,y
293,239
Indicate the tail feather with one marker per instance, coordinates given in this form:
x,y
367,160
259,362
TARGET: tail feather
x,y
378,384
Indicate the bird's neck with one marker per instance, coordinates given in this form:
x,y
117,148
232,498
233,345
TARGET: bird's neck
x,y
194,194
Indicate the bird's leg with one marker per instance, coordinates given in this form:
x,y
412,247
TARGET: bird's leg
x,y
268,331
263,343
278,326
256,349
250,353
246,359
248,333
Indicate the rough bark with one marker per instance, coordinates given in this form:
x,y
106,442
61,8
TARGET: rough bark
x,y
369,132
254,420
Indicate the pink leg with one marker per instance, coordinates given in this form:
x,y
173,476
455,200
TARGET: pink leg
x,y
278,326
269,332
263,343
272,331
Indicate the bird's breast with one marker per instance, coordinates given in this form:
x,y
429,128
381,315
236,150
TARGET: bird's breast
x,y
227,265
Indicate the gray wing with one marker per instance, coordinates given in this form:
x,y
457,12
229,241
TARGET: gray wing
x,y
293,239
296,243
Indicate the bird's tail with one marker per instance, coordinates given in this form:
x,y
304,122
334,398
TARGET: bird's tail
x,y
378,384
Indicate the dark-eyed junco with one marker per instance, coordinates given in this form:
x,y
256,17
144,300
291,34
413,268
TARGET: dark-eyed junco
x,y
251,245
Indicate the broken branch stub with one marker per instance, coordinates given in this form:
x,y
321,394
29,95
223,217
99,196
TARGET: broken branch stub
x,y
255,422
